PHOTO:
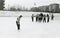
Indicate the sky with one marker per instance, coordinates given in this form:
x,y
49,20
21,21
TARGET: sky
x,y
29,3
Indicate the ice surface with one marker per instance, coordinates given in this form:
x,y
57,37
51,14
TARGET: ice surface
x,y
29,29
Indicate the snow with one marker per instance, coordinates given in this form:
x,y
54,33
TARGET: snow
x,y
29,29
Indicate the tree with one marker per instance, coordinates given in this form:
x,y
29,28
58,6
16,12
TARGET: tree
x,y
1,4
12,9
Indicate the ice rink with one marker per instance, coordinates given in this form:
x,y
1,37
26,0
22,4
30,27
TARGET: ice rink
x,y
29,29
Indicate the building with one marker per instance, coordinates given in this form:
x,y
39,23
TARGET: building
x,y
44,8
53,7
40,8
1,4
34,9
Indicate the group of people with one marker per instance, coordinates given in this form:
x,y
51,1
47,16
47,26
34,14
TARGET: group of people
x,y
39,17
42,17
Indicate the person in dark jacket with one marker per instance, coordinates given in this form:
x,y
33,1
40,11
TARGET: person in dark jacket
x,y
52,17
44,18
48,18
32,17
40,17
18,22
37,17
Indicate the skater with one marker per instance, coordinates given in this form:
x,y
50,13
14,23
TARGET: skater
x,y
48,18
36,17
40,17
52,17
44,19
18,22
41,14
32,17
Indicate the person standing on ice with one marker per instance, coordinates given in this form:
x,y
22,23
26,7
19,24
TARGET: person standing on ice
x,y
32,17
52,17
40,17
44,18
47,18
36,17
18,22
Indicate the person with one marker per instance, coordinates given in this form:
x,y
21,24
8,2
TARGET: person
x,y
36,17
52,17
18,22
44,18
41,14
40,17
47,18
32,17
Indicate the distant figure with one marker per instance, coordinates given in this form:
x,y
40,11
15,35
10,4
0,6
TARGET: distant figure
x,y
32,17
41,14
52,17
44,18
47,18
36,17
40,17
18,22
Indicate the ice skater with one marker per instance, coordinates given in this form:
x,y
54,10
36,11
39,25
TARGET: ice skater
x,y
44,19
48,18
52,17
40,17
32,17
18,22
36,18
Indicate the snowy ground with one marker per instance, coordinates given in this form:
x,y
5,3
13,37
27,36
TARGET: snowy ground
x,y
29,29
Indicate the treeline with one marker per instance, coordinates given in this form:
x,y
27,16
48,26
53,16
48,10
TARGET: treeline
x,y
16,9
36,9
